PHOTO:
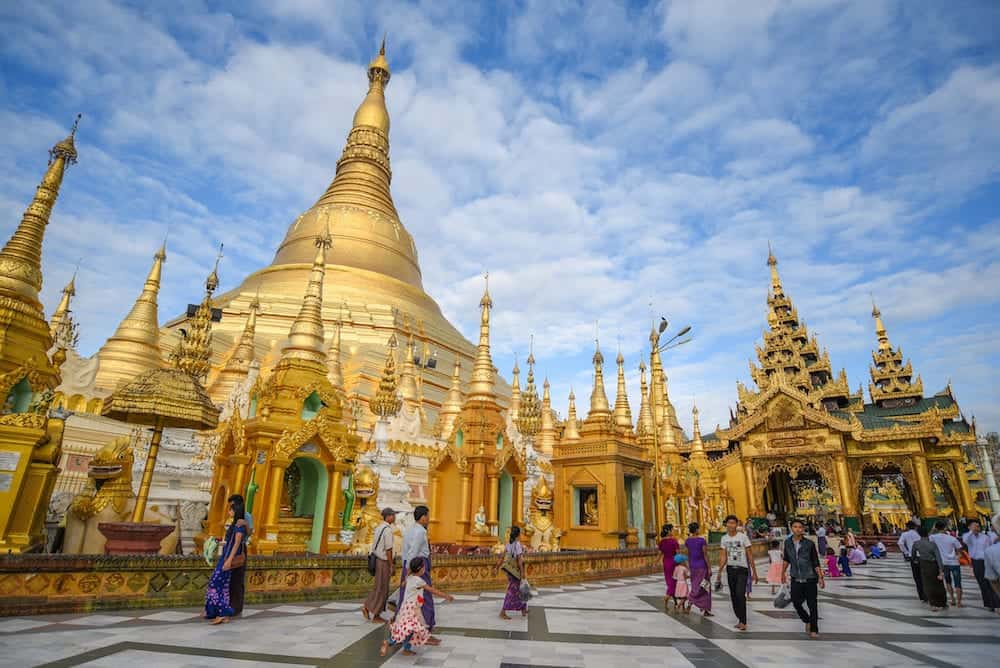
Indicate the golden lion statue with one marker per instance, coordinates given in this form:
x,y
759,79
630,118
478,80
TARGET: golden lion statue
x,y
366,514
540,528
108,498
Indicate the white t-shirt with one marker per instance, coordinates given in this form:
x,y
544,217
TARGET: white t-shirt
x,y
414,587
775,556
948,545
736,549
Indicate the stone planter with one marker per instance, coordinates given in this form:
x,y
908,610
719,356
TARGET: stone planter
x,y
133,537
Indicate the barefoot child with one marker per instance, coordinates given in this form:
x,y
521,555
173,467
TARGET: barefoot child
x,y
681,574
774,570
409,627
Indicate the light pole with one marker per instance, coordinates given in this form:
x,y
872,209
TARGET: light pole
x,y
655,348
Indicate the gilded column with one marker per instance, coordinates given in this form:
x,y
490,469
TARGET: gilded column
x,y
275,485
924,491
239,477
748,484
843,473
334,522
494,497
517,507
464,508
965,492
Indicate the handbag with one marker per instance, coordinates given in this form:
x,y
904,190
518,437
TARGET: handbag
x,y
509,566
372,559
964,559
783,598
525,591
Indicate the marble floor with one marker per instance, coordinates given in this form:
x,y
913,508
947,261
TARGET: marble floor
x,y
871,619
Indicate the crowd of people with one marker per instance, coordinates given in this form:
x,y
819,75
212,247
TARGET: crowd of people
x,y
796,561
935,557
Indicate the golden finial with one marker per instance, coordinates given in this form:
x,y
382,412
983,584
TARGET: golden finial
x,y
883,337
571,432
21,258
598,399
387,402
305,338
697,445
67,147
622,412
378,68
193,353
481,386
530,411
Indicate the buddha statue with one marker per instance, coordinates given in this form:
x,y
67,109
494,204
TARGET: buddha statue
x,y
590,510
479,522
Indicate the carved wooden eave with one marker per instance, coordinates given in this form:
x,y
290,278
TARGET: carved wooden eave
x,y
449,451
759,416
328,429
414,449
508,453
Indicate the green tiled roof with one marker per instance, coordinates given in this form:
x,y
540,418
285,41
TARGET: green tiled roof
x,y
956,427
921,406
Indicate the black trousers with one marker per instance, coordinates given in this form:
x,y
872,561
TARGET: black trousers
x,y
806,592
237,588
915,569
737,576
989,596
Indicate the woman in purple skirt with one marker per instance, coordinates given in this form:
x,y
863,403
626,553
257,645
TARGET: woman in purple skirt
x,y
512,564
701,571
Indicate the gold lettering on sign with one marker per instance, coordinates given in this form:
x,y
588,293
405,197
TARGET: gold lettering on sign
x,y
787,442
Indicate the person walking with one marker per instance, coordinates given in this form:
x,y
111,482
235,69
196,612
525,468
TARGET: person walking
x,y
683,587
748,529
512,564
905,543
952,570
416,544
803,571
668,548
977,543
928,554
774,567
738,563
410,628
218,606
821,542
991,560
382,551
238,576
700,595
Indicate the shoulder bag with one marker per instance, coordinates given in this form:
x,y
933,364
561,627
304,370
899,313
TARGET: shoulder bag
x,y
509,565
372,559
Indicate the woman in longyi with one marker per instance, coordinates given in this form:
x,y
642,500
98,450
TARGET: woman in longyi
x,y
232,555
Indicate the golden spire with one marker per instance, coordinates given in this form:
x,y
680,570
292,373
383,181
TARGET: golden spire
x,y
883,338
193,353
135,345
571,433
772,262
481,387
658,389
335,372
668,438
623,413
62,310
696,445
645,426
305,338
515,391
548,427
386,402
598,399
237,367
21,258
408,377
529,418
452,404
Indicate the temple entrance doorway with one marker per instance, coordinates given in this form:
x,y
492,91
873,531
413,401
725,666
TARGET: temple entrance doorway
x,y
944,496
886,499
803,494
304,508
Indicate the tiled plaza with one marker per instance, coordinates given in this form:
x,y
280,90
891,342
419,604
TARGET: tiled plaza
x,y
872,619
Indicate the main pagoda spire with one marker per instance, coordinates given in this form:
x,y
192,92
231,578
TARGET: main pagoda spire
x,y
135,345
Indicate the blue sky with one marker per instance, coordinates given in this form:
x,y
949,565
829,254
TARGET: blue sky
x,y
594,158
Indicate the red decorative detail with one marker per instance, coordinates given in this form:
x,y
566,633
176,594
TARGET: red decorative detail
x,y
133,538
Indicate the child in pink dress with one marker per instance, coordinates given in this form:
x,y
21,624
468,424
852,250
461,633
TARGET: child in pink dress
x,y
681,574
831,563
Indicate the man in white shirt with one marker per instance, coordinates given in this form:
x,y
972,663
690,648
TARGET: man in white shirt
x,y
977,543
737,561
416,544
949,546
905,543
992,570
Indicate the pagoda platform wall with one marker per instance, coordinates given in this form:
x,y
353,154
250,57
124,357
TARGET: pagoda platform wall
x,y
45,584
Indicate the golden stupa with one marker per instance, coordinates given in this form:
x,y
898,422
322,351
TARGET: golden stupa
x,y
372,284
